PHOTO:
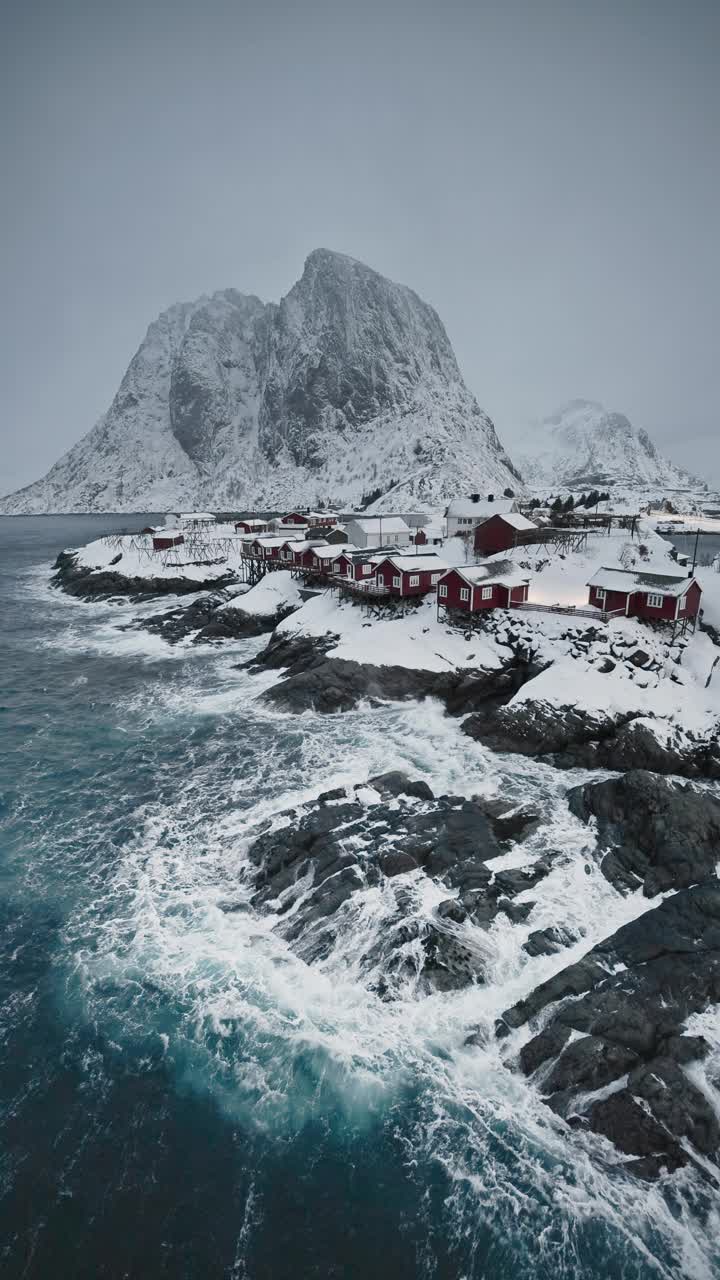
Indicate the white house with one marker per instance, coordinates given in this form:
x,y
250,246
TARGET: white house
x,y
377,531
464,514
196,520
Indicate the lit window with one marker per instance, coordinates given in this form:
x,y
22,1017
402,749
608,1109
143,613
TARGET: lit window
x,y
464,593
487,593
655,601
443,589
415,580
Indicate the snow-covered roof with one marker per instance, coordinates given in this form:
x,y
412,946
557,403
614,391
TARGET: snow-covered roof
x,y
252,523
274,540
305,544
416,563
631,580
516,520
206,516
331,551
504,571
381,524
481,509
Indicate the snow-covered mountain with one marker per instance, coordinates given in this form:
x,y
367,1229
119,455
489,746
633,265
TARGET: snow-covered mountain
x,y
348,386
583,445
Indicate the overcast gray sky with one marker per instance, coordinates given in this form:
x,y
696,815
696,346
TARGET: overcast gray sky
x,y
544,172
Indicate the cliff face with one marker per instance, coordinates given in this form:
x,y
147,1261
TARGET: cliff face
x,y
349,385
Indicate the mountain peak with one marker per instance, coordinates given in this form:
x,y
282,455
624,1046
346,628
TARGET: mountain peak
x,y
582,444
348,386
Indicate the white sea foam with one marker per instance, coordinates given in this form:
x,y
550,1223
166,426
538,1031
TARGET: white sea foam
x,y
279,1042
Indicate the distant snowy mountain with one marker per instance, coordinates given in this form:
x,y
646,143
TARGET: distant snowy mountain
x,y
349,386
582,445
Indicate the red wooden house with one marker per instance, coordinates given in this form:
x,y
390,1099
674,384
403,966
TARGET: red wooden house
x,y
413,575
502,531
266,548
427,535
293,517
656,597
474,588
298,552
250,526
163,541
323,557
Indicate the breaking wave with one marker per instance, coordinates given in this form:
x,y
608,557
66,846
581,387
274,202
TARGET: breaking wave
x,y
140,818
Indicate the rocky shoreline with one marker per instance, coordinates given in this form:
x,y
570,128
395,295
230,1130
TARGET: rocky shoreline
x,y
604,1040
563,736
86,583
608,1047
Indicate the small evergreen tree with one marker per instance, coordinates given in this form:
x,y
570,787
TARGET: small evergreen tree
x,y
557,505
508,493
569,503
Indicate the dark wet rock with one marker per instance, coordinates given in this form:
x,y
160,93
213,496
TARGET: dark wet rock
x,y
327,684
546,942
89,584
633,1130
508,822
396,783
451,963
677,1103
518,912
452,909
630,998
546,1044
570,738
659,834
684,1049
397,863
306,870
588,1064
336,793
516,879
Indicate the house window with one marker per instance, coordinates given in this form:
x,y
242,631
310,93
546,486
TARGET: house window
x,y
396,581
381,580
367,568
433,578
599,594
464,593
415,580
487,593
443,589
655,601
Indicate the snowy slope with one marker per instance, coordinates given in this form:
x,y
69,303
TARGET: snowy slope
x,y
583,445
350,384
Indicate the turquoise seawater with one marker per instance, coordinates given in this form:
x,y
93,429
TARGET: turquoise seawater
x,y
180,1095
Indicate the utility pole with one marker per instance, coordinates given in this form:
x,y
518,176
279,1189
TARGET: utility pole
x,y
697,535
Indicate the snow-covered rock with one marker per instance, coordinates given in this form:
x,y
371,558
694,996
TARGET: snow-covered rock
x,y
583,445
348,386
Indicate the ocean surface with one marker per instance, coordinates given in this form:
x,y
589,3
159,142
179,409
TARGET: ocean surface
x,y
180,1095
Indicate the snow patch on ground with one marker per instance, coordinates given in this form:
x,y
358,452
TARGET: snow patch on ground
x,y
276,591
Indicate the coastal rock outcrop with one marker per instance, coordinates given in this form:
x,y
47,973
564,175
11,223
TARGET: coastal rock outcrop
x,y
314,680
658,833
308,867
90,584
570,737
617,1020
